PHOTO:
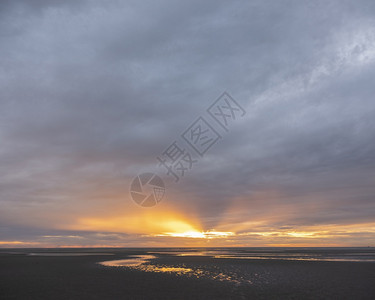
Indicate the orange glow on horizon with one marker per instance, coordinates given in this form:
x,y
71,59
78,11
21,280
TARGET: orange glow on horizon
x,y
144,222
210,234
177,227
16,243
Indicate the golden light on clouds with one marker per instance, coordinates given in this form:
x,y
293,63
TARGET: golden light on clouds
x,y
182,227
295,234
210,234
16,243
142,222
170,228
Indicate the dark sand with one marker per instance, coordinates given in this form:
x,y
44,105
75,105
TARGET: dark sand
x,y
81,277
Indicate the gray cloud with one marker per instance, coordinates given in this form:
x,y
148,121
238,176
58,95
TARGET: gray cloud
x,y
92,92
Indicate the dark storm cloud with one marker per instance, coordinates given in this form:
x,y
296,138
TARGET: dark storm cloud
x,y
91,92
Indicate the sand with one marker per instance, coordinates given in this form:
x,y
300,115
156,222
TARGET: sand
x,y
82,277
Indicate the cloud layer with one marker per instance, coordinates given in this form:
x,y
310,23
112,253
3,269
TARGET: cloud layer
x,y
92,92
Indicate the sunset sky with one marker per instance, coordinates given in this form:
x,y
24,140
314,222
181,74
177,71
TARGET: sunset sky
x,y
92,92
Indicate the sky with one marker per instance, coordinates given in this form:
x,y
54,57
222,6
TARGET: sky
x,y
93,92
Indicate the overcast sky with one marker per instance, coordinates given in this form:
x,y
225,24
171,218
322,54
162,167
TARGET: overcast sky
x,y
92,92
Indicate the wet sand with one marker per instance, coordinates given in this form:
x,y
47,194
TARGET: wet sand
x,y
167,276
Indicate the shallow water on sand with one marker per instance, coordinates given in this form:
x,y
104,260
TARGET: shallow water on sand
x,y
304,254
138,262
160,261
132,261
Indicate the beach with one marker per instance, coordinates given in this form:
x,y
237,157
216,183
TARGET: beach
x,y
178,274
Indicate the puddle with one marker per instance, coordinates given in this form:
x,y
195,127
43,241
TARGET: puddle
x,y
132,261
152,268
138,262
